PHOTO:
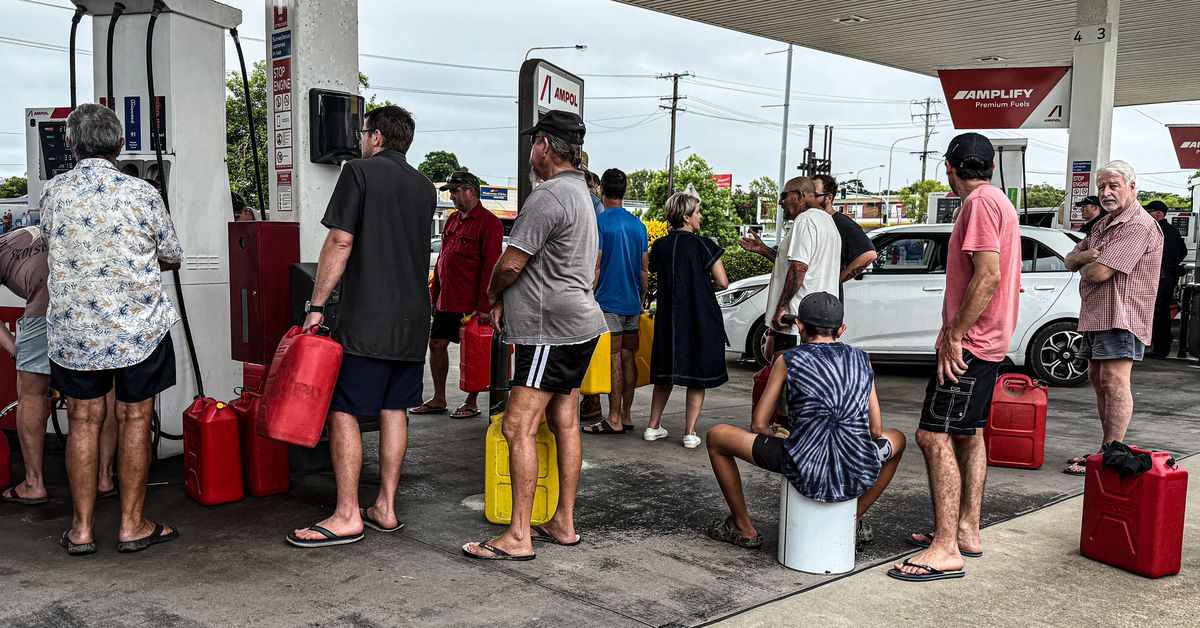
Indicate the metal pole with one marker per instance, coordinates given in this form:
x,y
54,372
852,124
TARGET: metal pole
x,y
890,150
787,102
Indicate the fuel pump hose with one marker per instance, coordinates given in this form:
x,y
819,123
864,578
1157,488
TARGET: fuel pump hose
x,y
79,11
118,9
262,200
155,124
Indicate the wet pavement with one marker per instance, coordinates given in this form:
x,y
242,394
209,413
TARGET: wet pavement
x,y
642,509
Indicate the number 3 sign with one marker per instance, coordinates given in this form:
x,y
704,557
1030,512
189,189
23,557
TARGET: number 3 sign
x,y
1098,34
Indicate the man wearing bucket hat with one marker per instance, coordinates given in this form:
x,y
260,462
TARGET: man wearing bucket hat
x,y
471,244
542,301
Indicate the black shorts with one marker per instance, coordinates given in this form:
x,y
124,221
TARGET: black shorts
x,y
134,384
964,407
769,452
446,326
367,385
553,368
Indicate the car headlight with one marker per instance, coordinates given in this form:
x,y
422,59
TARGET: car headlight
x,y
730,298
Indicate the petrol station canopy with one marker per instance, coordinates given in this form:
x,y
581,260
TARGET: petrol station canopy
x,y
1157,56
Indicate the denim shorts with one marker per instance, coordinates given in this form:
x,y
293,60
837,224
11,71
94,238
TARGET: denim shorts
x,y
32,352
1111,344
621,324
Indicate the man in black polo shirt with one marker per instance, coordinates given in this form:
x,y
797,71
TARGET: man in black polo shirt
x,y
857,250
379,219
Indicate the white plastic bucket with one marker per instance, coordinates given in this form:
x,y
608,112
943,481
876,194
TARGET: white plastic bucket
x,y
815,537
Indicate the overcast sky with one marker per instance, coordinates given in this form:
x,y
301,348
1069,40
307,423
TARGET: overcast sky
x,y
869,104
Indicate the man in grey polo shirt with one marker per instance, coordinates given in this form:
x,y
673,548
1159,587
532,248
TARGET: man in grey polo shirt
x,y
541,295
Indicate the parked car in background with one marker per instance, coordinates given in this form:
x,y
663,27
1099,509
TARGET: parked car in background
x,y
893,311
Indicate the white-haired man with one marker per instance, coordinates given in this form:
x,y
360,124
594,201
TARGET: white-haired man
x,y
1118,280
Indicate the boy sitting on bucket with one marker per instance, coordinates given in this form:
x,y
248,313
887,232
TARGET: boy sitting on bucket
x,y
837,449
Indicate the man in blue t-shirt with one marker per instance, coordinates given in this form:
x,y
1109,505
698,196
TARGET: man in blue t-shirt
x,y
836,449
622,274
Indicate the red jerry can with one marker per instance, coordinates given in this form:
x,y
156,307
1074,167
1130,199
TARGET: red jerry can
x,y
212,462
1135,523
760,384
299,387
475,357
264,461
253,376
1015,434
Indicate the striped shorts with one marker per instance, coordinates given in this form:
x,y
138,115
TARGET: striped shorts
x,y
553,368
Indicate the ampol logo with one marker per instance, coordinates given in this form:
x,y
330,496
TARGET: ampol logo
x,y
550,93
1055,114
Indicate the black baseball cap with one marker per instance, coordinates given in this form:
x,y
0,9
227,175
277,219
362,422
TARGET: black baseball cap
x,y
460,178
970,147
821,309
1156,206
1088,200
564,125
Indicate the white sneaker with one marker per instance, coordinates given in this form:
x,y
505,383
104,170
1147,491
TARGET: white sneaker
x,y
691,441
654,433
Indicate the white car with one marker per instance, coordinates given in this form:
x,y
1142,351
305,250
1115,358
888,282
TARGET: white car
x,y
894,310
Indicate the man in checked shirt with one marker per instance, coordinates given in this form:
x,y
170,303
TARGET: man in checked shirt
x,y
1118,279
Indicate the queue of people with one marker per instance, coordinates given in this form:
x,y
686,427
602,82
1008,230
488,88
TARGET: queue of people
x,y
97,325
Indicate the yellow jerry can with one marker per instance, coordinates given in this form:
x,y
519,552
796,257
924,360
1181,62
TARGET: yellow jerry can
x,y
497,483
641,359
598,378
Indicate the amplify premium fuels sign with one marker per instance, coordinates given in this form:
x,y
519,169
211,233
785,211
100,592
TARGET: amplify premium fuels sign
x,y
1008,98
1186,138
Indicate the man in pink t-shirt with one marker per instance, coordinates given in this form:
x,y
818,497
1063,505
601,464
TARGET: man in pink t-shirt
x,y
983,285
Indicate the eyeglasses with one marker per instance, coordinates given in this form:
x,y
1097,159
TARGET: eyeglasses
x,y
358,134
784,194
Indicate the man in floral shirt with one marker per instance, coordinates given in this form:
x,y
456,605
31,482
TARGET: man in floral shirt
x,y
109,237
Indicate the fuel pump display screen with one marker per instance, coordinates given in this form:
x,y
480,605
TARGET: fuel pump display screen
x,y
56,156
946,208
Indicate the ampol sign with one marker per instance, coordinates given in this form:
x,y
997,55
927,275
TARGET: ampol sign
x,y
1008,98
556,91
1186,138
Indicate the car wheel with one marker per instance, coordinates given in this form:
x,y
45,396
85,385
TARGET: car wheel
x,y
1054,355
756,342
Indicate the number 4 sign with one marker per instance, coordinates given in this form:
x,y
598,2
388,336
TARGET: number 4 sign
x,y
1098,34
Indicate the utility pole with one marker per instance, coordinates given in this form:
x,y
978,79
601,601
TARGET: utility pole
x,y
674,109
929,118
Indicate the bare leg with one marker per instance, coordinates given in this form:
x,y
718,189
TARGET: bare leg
x,y
695,401
345,444
945,487
628,386
133,420
563,417
85,416
31,431
972,467
439,368
886,472
521,420
1096,370
725,444
658,402
617,379
393,444
108,444
1118,399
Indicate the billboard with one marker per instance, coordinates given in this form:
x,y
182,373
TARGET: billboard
x,y
724,180
1186,138
1008,98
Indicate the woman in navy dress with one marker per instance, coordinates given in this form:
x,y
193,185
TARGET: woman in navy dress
x,y
689,333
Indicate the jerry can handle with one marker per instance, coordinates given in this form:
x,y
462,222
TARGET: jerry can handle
x,y
1015,384
319,330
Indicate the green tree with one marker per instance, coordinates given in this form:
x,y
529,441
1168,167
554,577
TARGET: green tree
x,y
852,186
14,187
741,208
914,197
439,164
636,183
714,201
238,151
1173,201
1043,195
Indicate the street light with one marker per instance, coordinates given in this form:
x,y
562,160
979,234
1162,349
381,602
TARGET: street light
x,y
859,174
668,159
887,204
579,47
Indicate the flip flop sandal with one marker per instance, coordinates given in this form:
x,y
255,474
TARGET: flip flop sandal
x,y
457,414
930,573
540,534
76,549
330,539
923,545
370,522
1076,469
154,538
628,428
10,495
497,553
429,410
601,427
722,530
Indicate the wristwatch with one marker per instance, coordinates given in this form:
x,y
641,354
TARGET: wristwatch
x,y
309,308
